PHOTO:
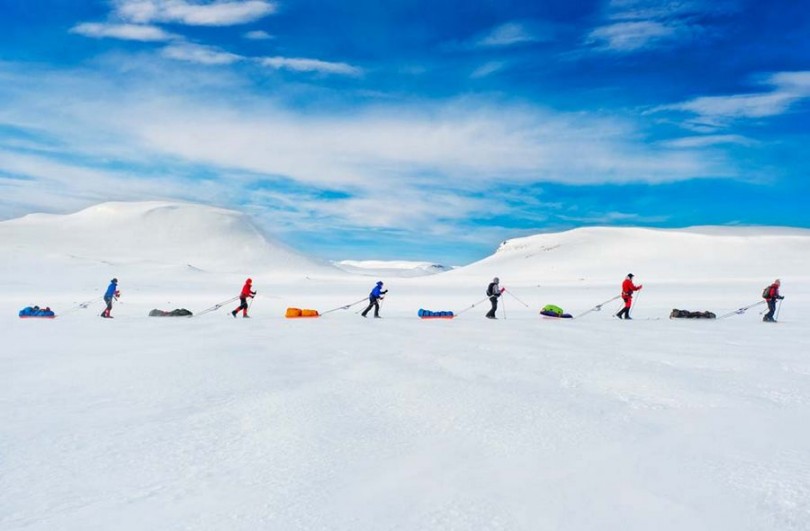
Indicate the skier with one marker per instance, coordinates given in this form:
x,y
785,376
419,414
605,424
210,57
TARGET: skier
x,y
374,298
493,292
112,292
247,291
771,296
627,295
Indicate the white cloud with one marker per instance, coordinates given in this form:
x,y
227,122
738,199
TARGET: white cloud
x,y
423,153
509,34
196,53
691,142
129,32
214,13
487,69
258,35
310,65
629,36
714,112
633,25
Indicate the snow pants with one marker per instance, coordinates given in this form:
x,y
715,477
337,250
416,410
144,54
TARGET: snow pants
x,y
771,310
243,306
372,303
491,312
108,309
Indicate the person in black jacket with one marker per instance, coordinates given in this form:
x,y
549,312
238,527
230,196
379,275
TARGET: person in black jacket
x,y
493,292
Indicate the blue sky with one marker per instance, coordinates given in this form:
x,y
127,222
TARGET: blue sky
x,y
411,130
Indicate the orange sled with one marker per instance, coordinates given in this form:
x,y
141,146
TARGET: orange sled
x,y
296,313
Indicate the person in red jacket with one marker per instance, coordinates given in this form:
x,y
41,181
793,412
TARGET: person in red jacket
x,y
773,295
627,295
247,291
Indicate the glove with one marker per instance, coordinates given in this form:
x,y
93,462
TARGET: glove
x,y
384,292
640,286
503,289
780,297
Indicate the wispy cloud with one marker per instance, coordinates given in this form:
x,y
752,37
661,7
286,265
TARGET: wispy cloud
x,y
713,112
692,142
129,32
511,34
487,69
197,53
215,13
630,35
633,25
299,64
258,35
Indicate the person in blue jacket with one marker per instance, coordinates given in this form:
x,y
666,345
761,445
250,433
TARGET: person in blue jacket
x,y
112,292
374,298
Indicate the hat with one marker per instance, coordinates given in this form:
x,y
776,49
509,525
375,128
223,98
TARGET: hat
x,y
114,281
249,281
630,275
496,280
379,282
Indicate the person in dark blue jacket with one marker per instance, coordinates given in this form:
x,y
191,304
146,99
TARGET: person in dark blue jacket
x,y
112,292
374,299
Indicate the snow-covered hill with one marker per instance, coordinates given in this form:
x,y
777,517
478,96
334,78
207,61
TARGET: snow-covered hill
x,y
605,254
160,233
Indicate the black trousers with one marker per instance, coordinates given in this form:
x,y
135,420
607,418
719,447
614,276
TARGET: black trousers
x,y
494,302
243,306
771,310
372,303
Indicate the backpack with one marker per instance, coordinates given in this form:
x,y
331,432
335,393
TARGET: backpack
x,y
491,290
766,293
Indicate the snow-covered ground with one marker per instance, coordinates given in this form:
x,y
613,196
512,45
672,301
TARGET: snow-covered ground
x,y
350,423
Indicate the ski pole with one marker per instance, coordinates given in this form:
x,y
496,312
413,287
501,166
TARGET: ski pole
x,y
598,307
470,307
776,317
635,299
346,307
503,306
515,297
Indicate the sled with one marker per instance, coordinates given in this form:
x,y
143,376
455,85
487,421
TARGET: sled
x,y
553,315
550,311
298,313
428,314
35,312
179,312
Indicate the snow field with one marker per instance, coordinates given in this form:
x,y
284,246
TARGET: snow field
x,y
349,423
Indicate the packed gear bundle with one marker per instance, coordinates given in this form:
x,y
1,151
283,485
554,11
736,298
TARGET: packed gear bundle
x,y
554,312
295,313
179,312
428,314
35,312
686,314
